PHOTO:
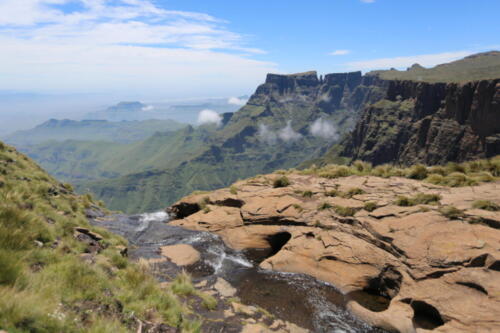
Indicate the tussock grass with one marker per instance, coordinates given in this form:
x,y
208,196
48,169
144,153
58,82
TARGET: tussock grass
x,y
486,205
282,181
418,199
45,286
451,174
451,212
345,211
370,206
324,206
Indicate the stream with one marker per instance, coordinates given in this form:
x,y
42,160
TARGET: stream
x,y
296,298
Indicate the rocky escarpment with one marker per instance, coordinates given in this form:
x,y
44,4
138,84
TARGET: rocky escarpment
x,y
429,261
429,123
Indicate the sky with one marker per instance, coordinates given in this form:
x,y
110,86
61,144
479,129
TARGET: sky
x,y
167,49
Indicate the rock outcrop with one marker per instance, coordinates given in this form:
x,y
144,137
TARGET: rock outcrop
x,y
431,123
402,268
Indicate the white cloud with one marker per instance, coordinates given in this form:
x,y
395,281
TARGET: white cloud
x,y
324,129
267,135
236,101
288,134
427,60
148,108
209,117
121,45
340,52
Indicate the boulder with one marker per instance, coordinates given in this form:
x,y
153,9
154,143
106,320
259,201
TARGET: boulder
x,y
180,254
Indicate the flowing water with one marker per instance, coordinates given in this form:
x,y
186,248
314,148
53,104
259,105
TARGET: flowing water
x,y
297,298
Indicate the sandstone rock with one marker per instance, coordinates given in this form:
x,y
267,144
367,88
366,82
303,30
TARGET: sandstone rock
x,y
224,288
425,270
180,254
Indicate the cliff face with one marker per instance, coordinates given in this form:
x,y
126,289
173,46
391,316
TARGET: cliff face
x,y
429,123
348,91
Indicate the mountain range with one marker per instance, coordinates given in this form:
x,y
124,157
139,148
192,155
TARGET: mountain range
x,y
401,117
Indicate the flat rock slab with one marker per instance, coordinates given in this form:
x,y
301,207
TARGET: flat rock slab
x,y
180,254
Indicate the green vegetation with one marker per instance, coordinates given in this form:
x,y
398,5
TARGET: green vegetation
x,y
307,194
345,211
49,282
451,174
451,212
282,181
370,206
476,67
349,194
96,130
486,205
324,206
233,190
418,199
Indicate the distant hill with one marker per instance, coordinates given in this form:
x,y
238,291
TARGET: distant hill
x,y
290,118
185,111
479,66
91,130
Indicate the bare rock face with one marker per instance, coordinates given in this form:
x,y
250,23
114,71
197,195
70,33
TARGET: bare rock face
x,y
180,254
429,123
404,269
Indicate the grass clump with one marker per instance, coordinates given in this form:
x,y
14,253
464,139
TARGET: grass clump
x,y
182,285
451,212
486,205
307,194
233,190
419,199
324,206
370,206
352,192
282,181
345,211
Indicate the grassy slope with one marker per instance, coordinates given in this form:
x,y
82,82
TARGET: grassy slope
x,y
45,285
219,159
77,161
480,66
89,130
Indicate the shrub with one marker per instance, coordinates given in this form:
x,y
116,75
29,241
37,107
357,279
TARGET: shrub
x,y
345,211
370,206
486,205
282,181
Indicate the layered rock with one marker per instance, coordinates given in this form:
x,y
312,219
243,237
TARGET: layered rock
x,y
431,123
404,269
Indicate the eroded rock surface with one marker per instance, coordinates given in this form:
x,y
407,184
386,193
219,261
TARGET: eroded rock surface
x,y
403,269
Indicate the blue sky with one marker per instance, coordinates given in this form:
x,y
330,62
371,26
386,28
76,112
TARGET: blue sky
x,y
187,48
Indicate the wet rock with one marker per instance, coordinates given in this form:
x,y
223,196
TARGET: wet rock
x,y
224,288
402,268
180,254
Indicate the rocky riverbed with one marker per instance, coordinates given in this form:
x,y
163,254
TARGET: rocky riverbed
x,y
405,255
249,298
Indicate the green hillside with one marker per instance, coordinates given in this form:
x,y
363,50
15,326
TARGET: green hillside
x,y
60,274
91,130
481,66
